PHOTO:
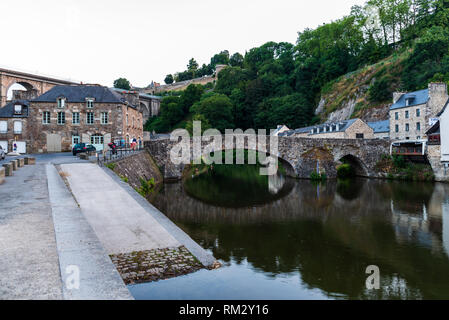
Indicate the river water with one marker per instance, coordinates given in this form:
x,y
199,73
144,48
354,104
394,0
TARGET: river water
x,y
298,239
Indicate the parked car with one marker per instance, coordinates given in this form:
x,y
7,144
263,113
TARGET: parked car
x,y
2,153
82,147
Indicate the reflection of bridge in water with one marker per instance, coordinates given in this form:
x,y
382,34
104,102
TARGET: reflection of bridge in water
x,y
401,227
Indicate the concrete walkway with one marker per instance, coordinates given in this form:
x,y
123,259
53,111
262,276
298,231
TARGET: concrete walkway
x,y
44,236
123,220
79,249
29,267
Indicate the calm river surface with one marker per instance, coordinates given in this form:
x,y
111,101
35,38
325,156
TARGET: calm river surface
x,y
302,240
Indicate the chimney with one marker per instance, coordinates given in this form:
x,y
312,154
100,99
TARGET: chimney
x,y
397,96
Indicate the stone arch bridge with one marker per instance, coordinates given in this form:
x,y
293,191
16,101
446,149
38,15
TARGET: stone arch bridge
x,y
34,84
299,156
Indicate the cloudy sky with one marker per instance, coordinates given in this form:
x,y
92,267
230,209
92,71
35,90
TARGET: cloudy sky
x,y
97,41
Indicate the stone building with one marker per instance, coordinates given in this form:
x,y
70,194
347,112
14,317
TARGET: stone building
x,y
347,129
148,104
412,114
92,114
13,126
381,129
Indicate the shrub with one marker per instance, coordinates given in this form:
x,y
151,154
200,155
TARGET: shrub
x,y
111,166
345,171
317,176
146,187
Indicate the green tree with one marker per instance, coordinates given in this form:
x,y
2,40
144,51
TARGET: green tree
x,y
217,110
236,60
122,83
169,79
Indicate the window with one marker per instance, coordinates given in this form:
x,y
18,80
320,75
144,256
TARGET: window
x,y
418,112
90,118
397,128
418,138
396,116
3,126
17,127
90,103
61,102
46,117
17,109
96,139
61,117
76,118
75,140
104,118
126,119
406,115
359,135
418,126
407,127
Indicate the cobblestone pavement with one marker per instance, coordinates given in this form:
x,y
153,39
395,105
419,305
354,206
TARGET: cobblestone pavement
x,y
154,265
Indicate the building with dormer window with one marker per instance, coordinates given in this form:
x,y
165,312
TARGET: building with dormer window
x,y
91,114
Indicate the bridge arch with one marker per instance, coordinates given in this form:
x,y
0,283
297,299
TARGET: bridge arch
x,y
359,166
19,86
286,165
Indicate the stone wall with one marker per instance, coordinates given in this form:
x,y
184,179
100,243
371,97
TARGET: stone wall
x,y
301,154
120,124
412,121
434,156
137,166
10,136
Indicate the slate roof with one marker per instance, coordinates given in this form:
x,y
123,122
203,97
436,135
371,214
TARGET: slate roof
x,y
345,124
380,126
419,97
80,93
8,110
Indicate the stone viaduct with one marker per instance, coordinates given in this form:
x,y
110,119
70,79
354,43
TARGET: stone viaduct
x,y
35,84
299,156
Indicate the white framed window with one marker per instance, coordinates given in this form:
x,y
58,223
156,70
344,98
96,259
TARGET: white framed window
x,y
90,118
104,118
406,115
90,103
3,126
61,102
418,126
97,139
75,118
17,109
17,127
61,117
418,112
75,140
407,127
46,117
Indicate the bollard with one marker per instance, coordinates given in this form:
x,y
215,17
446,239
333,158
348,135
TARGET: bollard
x,y
8,169
2,175
21,162
14,165
30,161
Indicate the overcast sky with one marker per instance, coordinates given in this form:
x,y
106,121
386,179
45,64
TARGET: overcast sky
x,y
97,41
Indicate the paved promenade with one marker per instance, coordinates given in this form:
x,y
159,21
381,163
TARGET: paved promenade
x,y
123,220
42,232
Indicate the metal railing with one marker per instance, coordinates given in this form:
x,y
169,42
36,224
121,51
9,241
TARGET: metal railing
x,y
104,157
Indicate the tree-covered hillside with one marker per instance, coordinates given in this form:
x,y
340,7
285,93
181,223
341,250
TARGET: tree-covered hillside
x,y
390,44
